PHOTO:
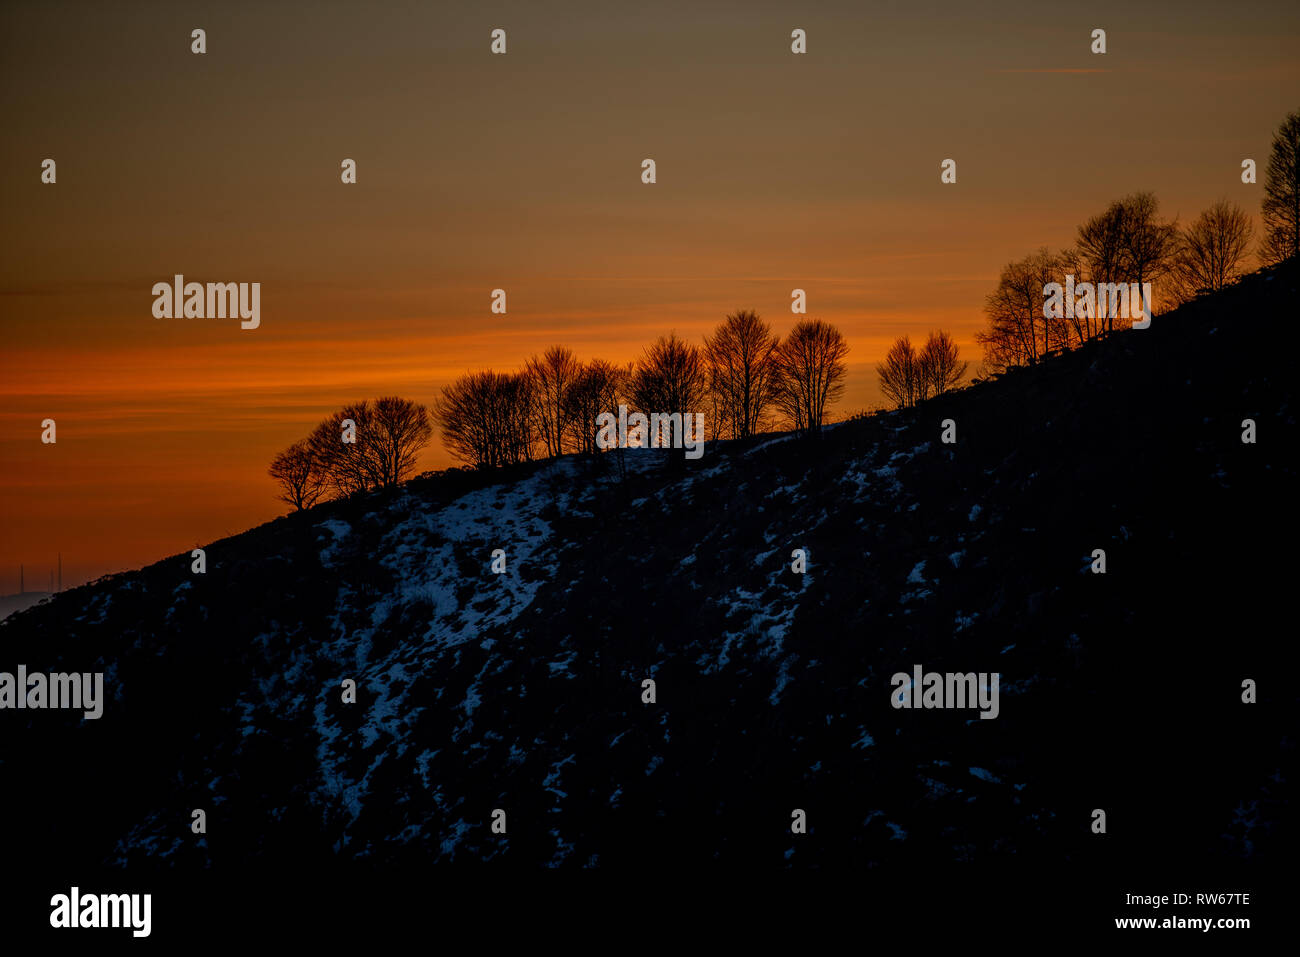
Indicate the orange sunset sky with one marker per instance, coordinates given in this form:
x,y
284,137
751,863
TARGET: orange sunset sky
x,y
775,171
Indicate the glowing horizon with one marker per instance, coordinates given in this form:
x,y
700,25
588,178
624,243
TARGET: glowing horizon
x,y
522,172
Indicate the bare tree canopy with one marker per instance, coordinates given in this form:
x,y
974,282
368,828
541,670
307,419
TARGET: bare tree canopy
x,y
1212,250
671,377
1148,245
1281,206
1076,329
363,446
300,476
339,445
488,418
898,373
908,375
742,371
552,374
399,431
1127,244
1015,312
938,366
596,389
811,372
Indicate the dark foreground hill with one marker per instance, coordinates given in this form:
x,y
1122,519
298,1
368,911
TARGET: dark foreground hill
x,y
523,691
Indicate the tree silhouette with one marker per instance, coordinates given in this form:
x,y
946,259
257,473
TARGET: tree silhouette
x,y
908,375
670,378
898,373
1281,206
1148,246
345,464
301,477
386,439
742,372
1015,312
811,369
487,418
596,389
1125,244
1100,246
1212,250
399,431
552,374
938,366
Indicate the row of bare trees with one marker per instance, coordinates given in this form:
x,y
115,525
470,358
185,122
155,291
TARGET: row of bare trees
x,y
910,375
1129,243
1126,243
363,446
744,379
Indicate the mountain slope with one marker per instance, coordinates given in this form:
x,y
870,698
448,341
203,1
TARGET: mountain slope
x,y
522,691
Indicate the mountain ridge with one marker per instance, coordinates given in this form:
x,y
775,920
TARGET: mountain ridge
x,y
524,691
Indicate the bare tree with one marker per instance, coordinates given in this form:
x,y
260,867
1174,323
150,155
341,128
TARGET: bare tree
x,y
1076,326
1015,312
898,373
1100,247
595,390
519,436
301,478
938,365
908,375
463,412
1212,250
552,374
339,445
1127,243
1148,245
487,418
741,365
811,372
399,430
670,378
1281,206
368,445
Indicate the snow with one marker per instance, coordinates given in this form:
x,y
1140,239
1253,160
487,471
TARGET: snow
x,y
553,778
423,551
340,530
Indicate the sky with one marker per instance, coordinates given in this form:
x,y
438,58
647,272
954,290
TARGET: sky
x,y
522,171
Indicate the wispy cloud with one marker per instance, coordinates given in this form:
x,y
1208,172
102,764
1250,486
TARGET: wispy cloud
x,y
1054,71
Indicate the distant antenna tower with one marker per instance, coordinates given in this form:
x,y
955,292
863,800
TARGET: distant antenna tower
x,y
60,571
22,583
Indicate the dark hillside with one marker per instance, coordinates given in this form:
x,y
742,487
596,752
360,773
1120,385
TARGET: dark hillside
x,y
523,691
